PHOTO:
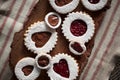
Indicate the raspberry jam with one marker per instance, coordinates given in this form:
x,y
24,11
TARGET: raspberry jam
x,y
27,70
94,1
40,38
78,28
62,68
76,46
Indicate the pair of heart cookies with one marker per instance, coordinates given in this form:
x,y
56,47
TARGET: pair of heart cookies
x,y
58,67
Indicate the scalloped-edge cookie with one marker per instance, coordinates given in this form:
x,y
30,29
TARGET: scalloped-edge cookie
x,y
66,7
20,71
78,26
94,5
40,27
64,67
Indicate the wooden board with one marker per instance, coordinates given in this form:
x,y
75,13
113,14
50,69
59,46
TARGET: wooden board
x,y
18,49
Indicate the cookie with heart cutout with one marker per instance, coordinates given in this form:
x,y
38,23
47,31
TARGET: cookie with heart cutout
x,y
26,69
64,6
37,41
63,67
39,12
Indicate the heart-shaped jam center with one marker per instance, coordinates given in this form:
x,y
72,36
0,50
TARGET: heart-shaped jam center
x,y
77,47
43,61
62,68
94,1
27,70
62,2
40,38
53,20
78,27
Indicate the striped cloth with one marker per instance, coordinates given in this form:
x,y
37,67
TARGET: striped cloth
x,y
13,22
107,41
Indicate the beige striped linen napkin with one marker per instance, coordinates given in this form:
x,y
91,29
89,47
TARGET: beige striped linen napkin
x,y
107,41
13,22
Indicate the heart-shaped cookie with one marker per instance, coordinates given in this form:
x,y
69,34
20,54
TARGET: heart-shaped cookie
x,y
26,69
61,67
39,38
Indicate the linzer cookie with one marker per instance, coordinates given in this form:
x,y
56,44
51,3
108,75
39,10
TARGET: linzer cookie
x,y
26,69
37,41
94,5
64,67
64,6
78,26
58,38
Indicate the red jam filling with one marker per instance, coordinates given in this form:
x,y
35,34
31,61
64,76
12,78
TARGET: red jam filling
x,y
76,46
94,1
78,28
27,70
40,38
62,68
53,20
62,2
43,61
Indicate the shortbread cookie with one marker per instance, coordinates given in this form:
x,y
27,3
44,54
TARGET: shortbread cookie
x,y
64,6
34,41
26,69
64,67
